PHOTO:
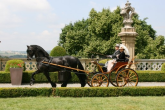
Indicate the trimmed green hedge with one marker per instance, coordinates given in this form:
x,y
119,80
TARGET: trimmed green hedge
x,y
144,76
82,92
151,76
24,92
39,78
109,92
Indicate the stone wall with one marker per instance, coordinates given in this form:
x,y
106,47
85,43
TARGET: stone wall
x,y
31,65
149,64
141,64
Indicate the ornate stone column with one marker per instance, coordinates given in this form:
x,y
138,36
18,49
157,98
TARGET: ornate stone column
x,y
128,32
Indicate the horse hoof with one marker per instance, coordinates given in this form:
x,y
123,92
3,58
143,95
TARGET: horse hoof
x,y
83,85
63,85
31,83
53,85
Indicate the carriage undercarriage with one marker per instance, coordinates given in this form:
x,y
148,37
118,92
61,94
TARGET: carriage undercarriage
x,y
121,75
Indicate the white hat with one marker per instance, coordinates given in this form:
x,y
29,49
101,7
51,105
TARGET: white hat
x,y
117,45
121,47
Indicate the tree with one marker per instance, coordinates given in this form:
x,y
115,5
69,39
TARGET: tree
x,y
58,51
154,50
99,33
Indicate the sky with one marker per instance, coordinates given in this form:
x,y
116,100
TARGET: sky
x,y
39,22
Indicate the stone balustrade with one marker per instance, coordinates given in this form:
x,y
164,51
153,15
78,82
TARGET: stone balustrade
x,y
141,64
31,65
149,64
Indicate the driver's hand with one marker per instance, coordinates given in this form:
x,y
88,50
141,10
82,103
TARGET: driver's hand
x,y
109,56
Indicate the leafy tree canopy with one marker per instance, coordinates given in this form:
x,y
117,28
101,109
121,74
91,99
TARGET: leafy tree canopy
x,y
99,33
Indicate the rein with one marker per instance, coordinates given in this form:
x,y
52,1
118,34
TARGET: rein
x,y
64,66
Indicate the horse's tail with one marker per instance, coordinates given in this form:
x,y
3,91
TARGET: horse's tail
x,y
80,66
81,75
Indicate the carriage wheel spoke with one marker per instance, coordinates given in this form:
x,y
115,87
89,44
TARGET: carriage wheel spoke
x,y
124,75
104,79
132,76
130,83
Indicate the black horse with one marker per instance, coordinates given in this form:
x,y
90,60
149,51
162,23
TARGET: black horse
x,y
41,55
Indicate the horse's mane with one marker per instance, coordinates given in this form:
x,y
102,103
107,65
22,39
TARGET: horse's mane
x,y
38,48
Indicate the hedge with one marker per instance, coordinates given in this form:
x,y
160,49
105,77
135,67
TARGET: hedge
x,y
24,92
39,78
109,92
82,92
144,76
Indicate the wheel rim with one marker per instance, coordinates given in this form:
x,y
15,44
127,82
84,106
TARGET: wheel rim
x,y
90,75
100,80
127,77
112,78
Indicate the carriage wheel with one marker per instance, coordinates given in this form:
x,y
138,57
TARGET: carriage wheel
x,y
100,80
112,78
89,77
127,77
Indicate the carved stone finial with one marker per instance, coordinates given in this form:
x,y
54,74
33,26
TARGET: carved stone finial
x,y
127,12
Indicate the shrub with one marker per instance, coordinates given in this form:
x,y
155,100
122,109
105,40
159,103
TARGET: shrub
x,y
109,91
82,92
39,78
58,51
14,64
25,92
163,67
144,76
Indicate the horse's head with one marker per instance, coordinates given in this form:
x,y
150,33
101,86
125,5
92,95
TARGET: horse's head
x,y
30,52
37,51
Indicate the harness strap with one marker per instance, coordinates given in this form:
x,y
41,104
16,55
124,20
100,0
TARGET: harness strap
x,y
51,58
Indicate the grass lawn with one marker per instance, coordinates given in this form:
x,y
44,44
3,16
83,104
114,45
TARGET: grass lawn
x,y
109,103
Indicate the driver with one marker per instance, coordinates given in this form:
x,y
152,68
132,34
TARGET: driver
x,y
114,57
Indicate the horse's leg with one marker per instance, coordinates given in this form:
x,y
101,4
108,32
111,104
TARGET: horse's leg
x,y
32,78
82,78
68,77
47,76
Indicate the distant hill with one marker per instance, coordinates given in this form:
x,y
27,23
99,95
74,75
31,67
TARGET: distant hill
x,y
14,54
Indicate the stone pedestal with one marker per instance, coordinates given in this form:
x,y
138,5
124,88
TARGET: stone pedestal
x,y
128,39
128,32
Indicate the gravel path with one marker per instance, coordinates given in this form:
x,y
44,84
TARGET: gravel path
x,y
39,85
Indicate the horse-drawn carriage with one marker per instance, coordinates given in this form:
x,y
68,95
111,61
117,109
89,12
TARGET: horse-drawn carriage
x,y
120,75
